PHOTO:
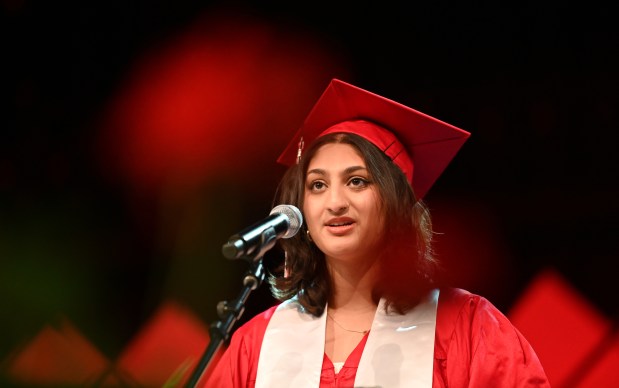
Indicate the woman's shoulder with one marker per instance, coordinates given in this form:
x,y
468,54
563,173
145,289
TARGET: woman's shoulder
x,y
487,345
459,310
455,301
466,318
247,338
238,362
256,325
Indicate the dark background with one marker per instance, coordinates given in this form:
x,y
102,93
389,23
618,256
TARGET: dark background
x,y
535,187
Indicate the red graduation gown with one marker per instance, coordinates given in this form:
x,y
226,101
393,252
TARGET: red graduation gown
x,y
475,346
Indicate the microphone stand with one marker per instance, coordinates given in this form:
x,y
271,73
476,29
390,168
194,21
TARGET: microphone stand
x,y
230,312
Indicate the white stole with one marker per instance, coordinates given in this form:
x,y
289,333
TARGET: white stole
x,y
399,352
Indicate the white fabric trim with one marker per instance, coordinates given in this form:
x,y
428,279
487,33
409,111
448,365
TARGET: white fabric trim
x,y
399,352
292,349
337,366
400,348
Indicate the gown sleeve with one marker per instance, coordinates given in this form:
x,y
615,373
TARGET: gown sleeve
x,y
477,346
238,366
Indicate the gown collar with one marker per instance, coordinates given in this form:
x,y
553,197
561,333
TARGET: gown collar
x,y
399,351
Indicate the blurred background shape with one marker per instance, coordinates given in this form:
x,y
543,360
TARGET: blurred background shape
x,y
167,348
57,355
570,336
138,137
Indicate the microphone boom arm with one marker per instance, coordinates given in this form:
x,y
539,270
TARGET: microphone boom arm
x,y
251,244
230,312
234,248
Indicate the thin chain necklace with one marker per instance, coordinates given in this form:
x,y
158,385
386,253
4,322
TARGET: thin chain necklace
x,y
343,328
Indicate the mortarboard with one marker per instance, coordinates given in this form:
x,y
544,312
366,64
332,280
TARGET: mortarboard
x,y
413,140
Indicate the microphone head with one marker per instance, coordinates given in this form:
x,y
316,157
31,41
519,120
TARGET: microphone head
x,y
295,219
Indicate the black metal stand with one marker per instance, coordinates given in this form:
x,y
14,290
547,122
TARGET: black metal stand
x,y
229,313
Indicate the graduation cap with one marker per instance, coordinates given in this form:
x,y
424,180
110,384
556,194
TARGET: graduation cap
x,y
421,145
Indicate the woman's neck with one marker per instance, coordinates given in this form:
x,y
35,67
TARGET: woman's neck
x,y
352,284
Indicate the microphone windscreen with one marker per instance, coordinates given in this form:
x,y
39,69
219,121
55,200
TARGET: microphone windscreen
x,y
294,218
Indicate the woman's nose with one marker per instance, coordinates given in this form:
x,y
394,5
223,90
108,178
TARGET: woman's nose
x,y
338,203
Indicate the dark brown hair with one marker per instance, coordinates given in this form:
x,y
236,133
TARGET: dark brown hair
x,y
407,265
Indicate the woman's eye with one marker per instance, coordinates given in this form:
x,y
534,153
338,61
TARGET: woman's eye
x,y
316,185
358,182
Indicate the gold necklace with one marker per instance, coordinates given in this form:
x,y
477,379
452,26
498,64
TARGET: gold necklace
x,y
343,328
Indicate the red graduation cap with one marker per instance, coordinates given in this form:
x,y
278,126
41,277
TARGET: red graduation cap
x,y
412,139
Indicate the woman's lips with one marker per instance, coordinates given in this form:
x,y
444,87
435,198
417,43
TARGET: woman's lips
x,y
340,226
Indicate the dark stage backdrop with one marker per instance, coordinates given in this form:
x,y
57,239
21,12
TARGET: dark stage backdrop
x,y
137,136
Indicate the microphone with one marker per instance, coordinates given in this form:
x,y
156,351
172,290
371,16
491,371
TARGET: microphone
x,y
284,221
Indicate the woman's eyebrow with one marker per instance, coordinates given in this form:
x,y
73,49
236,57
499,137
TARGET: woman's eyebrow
x,y
347,171
352,169
318,171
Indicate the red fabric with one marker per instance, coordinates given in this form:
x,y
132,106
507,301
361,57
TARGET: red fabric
x,y
381,138
475,346
346,377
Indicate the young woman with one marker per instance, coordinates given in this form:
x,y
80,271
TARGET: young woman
x,y
359,304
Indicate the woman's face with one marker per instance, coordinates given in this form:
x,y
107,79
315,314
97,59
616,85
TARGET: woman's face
x,y
341,206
